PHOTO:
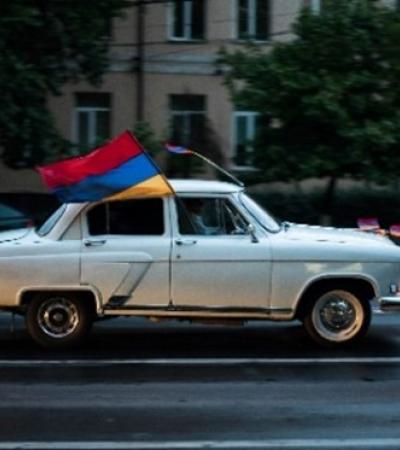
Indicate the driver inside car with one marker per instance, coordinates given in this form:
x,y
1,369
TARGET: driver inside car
x,y
195,212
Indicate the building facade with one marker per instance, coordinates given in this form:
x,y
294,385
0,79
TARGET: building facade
x,y
164,71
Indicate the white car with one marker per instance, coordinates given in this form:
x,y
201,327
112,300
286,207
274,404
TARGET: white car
x,y
210,253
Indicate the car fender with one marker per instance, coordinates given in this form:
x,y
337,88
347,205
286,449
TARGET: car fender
x,y
335,276
22,293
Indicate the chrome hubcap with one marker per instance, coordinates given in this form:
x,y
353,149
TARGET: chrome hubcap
x,y
58,317
338,316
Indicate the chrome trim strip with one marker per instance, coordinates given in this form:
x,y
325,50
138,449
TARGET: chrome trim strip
x,y
189,311
391,303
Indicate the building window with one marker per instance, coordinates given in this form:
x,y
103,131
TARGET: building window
x,y
92,119
187,19
188,117
254,19
314,5
244,126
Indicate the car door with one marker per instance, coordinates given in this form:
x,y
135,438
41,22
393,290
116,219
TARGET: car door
x,y
215,261
126,251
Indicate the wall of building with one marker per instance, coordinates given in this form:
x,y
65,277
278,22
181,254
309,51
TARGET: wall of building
x,y
23,180
170,67
123,102
218,106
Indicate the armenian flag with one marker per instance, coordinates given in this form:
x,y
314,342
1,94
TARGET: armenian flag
x,y
119,170
178,149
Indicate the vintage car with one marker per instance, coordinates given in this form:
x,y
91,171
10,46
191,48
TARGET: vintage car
x,y
209,253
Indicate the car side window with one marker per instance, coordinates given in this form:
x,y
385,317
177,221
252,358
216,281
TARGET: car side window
x,y
209,216
130,217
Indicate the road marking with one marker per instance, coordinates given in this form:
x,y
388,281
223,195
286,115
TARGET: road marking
x,y
198,361
209,444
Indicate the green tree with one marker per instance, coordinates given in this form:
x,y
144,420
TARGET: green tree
x,y
145,134
44,44
329,99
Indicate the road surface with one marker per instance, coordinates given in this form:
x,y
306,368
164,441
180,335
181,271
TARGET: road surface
x,y
137,385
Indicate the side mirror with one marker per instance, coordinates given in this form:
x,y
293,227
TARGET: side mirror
x,y
251,230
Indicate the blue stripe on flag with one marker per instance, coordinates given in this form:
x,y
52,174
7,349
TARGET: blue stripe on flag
x,y
97,187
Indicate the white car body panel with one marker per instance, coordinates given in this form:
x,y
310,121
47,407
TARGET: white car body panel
x,y
209,271
228,271
306,254
119,269
30,262
134,267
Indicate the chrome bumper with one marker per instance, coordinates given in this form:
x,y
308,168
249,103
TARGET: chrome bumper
x,y
389,303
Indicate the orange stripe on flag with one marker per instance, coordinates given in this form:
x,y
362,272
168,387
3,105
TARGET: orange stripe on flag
x,y
156,186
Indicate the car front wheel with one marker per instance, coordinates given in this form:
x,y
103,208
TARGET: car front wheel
x,y
338,317
57,320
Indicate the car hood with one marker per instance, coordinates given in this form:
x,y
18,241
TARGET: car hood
x,y
334,235
14,235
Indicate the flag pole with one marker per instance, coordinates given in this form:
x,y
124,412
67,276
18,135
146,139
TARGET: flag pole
x,y
186,151
220,169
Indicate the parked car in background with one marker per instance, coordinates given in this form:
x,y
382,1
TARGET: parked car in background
x,y
11,218
232,263
36,207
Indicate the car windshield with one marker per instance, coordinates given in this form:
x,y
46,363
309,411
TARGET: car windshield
x,y
51,221
264,218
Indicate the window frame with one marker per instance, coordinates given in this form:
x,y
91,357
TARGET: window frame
x,y
315,6
251,118
92,112
252,22
186,114
187,24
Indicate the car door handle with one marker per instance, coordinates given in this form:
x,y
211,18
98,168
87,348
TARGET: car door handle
x,y
185,242
94,242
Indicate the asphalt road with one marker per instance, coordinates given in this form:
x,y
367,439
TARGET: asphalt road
x,y
137,385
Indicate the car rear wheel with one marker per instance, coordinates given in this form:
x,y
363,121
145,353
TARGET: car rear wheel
x,y
57,319
338,317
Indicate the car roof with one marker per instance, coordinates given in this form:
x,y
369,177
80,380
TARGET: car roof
x,y
203,186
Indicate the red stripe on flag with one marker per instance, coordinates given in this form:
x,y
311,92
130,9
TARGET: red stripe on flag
x,y
99,161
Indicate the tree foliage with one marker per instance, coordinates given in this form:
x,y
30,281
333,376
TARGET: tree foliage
x,y
329,100
44,44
